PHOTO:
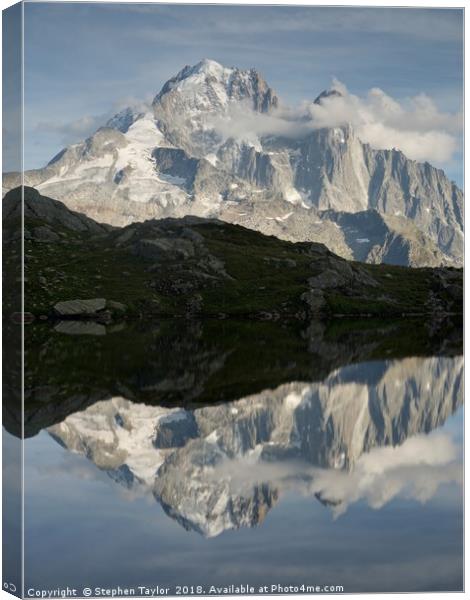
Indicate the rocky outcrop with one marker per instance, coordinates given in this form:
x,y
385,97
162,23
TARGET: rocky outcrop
x,y
46,213
80,308
97,309
376,238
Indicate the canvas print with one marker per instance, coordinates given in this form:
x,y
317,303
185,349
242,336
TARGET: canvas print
x,y
232,299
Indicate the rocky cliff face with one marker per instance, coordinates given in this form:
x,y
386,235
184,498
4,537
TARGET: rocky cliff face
x,y
189,101
224,467
197,151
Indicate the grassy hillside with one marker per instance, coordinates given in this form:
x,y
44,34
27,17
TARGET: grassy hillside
x,y
197,267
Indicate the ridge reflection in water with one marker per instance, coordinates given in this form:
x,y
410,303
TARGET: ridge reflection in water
x,y
318,482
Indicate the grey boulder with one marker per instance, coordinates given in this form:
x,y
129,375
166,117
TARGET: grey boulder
x,y
80,308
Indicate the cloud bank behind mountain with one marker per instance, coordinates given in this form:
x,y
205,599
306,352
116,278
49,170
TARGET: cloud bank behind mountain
x,y
415,126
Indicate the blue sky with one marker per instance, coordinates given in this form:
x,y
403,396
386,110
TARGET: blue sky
x,y
84,61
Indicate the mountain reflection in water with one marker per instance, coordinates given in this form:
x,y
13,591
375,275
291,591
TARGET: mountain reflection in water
x,y
223,452
358,434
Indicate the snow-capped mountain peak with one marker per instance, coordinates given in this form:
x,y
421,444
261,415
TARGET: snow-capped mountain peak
x,y
213,144
206,67
208,85
192,106
124,119
193,75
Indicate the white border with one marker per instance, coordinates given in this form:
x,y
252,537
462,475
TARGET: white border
x,y
332,3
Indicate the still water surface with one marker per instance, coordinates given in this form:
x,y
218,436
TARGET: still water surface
x,y
353,479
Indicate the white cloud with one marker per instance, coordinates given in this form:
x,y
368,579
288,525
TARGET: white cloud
x,y
76,130
416,126
72,131
414,470
241,122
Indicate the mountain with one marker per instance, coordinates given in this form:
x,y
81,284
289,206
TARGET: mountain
x,y
194,266
206,147
224,467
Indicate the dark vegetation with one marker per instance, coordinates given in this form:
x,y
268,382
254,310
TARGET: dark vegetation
x,y
195,267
